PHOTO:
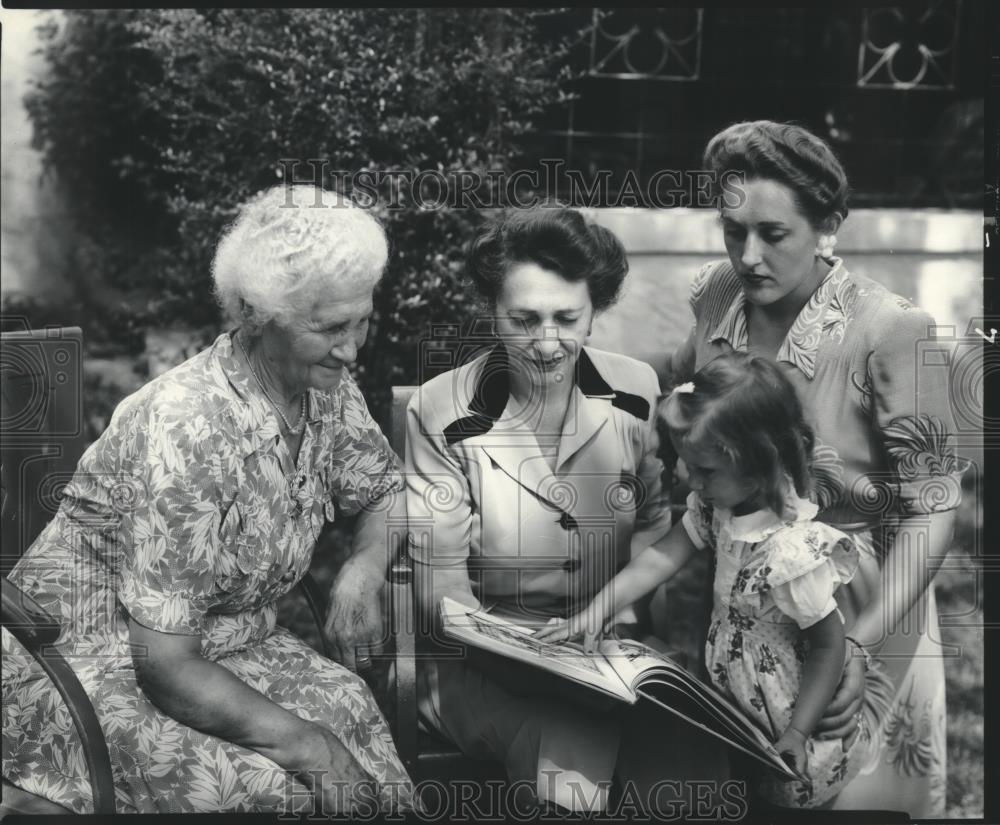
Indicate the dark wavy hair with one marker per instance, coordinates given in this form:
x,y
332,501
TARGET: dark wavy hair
x,y
786,153
554,238
744,406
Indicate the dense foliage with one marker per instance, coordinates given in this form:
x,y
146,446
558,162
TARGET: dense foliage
x,y
157,123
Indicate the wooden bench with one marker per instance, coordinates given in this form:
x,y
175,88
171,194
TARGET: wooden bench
x,y
425,754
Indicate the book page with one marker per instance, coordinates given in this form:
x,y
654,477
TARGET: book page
x,y
655,676
506,638
764,753
632,659
708,704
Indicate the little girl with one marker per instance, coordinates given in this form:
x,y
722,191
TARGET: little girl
x,y
776,644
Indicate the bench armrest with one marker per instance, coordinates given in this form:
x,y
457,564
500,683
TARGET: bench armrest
x,y
28,622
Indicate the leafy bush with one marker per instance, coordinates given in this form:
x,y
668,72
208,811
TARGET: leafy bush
x,y
158,123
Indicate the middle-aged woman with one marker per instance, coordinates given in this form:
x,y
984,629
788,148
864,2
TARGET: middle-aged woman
x,y
532,476
186,521
885,468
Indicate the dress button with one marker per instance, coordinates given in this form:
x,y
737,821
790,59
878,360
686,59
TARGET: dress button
x,y
288,577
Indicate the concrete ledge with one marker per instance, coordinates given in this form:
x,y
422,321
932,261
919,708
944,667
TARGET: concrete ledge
x,y
684,231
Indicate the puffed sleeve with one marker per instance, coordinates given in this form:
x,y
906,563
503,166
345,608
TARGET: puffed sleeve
x,y
801,568
653,517
438,497
170,523
808,598
912,413
364,466
697,521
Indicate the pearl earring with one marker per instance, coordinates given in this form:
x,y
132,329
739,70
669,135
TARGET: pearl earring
x,y
825,245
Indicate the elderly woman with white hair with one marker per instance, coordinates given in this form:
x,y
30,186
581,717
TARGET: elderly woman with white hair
x,y
186,521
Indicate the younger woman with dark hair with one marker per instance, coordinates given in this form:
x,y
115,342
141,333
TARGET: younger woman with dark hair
x,y
776,644
559,240
516,462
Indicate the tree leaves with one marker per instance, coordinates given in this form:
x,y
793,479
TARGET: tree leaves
x,y
161,121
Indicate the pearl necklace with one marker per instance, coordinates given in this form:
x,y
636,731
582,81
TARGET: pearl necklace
x,y
300,424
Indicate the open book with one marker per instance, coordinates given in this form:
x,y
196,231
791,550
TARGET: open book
x,y
623,669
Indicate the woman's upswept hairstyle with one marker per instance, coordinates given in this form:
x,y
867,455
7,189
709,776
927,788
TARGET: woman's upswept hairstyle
x,y
785,153
554,238
289,244
744,406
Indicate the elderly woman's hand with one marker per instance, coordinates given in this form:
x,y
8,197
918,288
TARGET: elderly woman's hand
x,y
335,777
354,623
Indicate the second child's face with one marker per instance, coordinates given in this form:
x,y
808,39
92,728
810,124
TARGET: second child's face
x,y
711,474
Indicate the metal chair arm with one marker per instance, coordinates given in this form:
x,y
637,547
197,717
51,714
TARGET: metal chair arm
x,y
403,633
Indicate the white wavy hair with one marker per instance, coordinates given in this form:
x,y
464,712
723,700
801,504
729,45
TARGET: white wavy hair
x,y
287,245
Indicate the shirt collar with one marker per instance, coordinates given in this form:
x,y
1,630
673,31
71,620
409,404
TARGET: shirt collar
x,y
824,309
758,525
492,392
255,418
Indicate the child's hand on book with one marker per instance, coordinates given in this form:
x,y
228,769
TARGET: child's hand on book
x,y
555,632
579,624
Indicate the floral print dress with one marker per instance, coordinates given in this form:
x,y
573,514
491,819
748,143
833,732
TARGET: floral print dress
x,y
773,579
859,357
188,515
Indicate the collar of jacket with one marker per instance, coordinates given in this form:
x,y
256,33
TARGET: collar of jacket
x,y
255,419
825,316
493,390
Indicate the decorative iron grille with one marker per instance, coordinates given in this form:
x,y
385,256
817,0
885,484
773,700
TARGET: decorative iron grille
x,y
641,44
854,76
906,47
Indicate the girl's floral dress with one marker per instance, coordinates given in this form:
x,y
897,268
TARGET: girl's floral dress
x,y
773,579
187,515
876,382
